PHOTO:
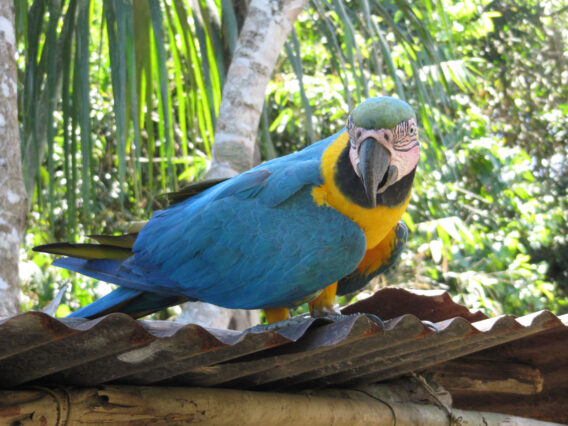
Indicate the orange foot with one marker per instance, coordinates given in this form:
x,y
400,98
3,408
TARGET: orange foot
x,y
276,314
323,305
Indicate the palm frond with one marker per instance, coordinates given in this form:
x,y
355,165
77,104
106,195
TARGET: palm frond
x,y
142,121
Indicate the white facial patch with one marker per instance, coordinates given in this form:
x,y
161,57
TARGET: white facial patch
x,y
401,142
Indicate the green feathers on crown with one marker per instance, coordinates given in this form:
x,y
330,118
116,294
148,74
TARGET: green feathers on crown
x,y
381,113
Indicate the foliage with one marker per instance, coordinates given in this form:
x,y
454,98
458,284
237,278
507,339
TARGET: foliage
x,y
506,184
118,104
487,217
122,96
487,221
525,58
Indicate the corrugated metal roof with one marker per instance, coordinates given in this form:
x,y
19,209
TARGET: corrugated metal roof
x,y
306,353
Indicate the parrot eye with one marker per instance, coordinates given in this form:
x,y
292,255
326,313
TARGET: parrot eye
x,y
412,130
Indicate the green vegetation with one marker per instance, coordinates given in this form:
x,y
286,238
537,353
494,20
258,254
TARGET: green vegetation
x,y
488,80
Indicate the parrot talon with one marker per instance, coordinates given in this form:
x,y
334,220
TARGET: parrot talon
x,y
326,312
431,325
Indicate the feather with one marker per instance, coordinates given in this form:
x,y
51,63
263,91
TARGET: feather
x,y
123,241
85,251
190,190
125,273
131,302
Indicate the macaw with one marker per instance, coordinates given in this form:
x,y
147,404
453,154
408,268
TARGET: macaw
x,y
299,228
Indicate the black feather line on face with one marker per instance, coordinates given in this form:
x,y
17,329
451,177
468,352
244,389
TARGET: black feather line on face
x,y
407,149
351,186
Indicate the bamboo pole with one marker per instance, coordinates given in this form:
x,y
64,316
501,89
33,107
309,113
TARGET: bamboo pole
x,y
137,405
487,376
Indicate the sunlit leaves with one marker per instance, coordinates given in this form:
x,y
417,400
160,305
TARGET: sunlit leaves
x,y
126,88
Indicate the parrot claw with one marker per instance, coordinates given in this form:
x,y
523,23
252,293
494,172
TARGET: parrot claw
x,y
431,325
326,312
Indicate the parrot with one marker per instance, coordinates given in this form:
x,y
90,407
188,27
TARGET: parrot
x,y
300,228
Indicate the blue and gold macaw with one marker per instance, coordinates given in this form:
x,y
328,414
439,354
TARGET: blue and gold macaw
x,y
298,228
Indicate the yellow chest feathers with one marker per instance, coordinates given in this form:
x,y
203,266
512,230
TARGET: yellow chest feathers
x,y
377,222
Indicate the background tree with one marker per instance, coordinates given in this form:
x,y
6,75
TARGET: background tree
x,y
12,193
265,30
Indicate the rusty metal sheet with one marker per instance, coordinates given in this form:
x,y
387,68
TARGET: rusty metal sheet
x,y
309,353
83,352
305,353
189,347
316,347
64,344
482,335
406,345
428,305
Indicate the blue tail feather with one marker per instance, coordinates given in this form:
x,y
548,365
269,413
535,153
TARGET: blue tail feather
x,y
106,304
131,302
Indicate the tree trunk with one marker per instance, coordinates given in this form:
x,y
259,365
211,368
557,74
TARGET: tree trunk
x,y
12,192
264,32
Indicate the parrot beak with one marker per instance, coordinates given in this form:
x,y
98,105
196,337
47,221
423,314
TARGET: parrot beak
x,y
374,168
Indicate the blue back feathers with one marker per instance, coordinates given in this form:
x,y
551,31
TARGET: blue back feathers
x,y
257,240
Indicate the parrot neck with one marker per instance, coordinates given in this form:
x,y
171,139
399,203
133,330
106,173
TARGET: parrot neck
x,y
346,197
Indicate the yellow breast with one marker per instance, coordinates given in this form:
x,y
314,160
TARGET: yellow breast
x,y
377,222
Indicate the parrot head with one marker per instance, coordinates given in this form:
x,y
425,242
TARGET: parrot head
x,y
383,146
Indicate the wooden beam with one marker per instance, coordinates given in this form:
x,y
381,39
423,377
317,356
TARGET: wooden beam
x,y
487,376
128,405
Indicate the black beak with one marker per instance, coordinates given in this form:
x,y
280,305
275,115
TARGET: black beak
x,y
374,161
